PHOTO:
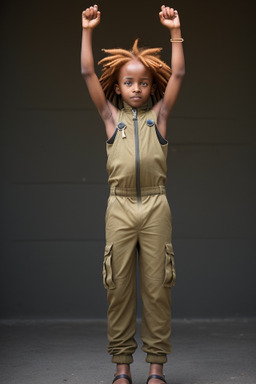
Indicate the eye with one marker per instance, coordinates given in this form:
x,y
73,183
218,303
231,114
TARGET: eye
x,y
144,84
128,83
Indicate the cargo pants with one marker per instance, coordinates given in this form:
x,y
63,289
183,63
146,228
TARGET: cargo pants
x,y
145,230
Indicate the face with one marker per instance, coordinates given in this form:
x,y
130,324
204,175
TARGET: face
x,y
134,83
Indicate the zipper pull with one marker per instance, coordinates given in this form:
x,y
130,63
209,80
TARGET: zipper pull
x,y
134,114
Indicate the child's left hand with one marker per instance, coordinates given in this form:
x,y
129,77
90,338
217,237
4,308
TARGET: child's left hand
x,y
169,17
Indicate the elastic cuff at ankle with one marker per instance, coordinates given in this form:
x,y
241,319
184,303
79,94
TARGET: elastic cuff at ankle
x,y
156,359
122,359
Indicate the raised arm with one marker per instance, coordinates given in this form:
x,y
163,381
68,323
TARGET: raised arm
x,y
170,19
90,20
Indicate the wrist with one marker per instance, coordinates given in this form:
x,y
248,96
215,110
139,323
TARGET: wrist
x,y
88,31
175,33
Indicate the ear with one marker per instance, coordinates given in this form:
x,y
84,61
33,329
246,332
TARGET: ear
x,y
153,89
117,89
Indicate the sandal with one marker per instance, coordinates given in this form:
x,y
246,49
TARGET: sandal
x,y
156,377
122,377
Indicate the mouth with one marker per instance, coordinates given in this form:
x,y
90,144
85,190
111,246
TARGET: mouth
x,y
136,98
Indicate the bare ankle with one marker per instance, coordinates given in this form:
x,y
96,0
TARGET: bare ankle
x,y
156,369
123,369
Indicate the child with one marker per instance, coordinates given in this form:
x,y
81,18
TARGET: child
x,y
134,97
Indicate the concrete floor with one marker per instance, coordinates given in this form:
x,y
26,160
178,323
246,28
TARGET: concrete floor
x,y
74,352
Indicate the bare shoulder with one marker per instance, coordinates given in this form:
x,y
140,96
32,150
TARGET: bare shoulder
x,y
113,110
157,108
161,120
109,117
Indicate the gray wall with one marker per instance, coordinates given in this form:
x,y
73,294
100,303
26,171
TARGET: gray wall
x,y
53,179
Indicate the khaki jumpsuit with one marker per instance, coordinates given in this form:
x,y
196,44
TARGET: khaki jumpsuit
x,y
138,221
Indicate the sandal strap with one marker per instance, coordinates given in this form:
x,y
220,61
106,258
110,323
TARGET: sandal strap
x,y
156,377
122,377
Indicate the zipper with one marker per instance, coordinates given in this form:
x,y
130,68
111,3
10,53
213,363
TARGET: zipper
x,y
137,153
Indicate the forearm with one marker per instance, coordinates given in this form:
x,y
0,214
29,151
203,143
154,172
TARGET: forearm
x,y
177,61
87,60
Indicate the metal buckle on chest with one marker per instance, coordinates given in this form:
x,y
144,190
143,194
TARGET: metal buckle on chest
x,y
121,127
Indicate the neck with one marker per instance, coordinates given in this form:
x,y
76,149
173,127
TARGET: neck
x,y
143,107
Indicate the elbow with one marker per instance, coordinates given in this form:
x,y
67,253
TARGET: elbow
x,y
179,74
86,72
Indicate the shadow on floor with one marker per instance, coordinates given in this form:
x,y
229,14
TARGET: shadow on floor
x,y
74,352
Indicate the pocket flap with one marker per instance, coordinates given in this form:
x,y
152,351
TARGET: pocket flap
x,y
108,249
170,272
169,249
107,268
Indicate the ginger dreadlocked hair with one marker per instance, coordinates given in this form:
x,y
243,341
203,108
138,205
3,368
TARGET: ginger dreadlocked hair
x,y
150,57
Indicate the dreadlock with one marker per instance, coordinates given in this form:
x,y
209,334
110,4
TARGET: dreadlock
x,y
118,57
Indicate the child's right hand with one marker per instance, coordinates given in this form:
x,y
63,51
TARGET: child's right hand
x,y
91,17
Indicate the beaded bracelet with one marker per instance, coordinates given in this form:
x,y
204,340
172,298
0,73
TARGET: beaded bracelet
x,y
178,40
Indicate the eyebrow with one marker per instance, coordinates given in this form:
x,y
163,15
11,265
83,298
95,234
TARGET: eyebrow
x,y
143,78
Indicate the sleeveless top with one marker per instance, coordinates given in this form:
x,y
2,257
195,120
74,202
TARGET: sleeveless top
x,y
136,153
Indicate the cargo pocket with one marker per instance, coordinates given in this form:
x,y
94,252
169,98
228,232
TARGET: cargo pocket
x,y
107,268
170,273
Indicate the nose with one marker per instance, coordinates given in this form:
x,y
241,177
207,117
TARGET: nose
x,y
136,88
